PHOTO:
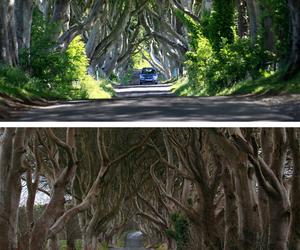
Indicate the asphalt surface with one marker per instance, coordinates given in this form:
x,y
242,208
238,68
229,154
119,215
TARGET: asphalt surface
x,y
157,103
134,241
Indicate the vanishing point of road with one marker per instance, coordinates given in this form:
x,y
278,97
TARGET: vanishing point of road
x,y
157,103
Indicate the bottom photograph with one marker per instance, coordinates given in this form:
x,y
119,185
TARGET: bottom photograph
x,y
149,188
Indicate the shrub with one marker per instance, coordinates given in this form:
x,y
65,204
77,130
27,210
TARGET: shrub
x,y
179,231
233,63
14,76
221,23
213,66
60,72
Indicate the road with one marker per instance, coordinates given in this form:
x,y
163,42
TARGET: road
x,y
134,241
157,103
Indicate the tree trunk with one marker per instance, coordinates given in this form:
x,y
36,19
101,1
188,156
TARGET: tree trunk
x,y
294,234
210,230
279,207
279,223
253,18
89,242
71,232
8,38
23,13
231,213
263,201
53,243
61,16
248,209
12,151
71,244
269,34
242,18
54,209
294,56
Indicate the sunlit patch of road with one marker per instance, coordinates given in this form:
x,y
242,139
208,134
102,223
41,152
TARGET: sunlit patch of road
x,y
143,90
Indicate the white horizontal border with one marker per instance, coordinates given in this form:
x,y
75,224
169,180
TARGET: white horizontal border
x,y
147,124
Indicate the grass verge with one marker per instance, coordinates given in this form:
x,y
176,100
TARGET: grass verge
x,y
17,84
266,85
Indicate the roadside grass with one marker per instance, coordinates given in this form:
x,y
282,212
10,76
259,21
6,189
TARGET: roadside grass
x,y
181,87
101,89
63,244
265,85
78,245
17,84
162,247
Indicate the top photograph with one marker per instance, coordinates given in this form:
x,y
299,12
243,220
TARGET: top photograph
x,y
149,60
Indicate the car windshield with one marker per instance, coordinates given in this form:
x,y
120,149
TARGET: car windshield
x,y
148,71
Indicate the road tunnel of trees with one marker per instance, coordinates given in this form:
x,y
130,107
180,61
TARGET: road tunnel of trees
x,y
217,43
187,188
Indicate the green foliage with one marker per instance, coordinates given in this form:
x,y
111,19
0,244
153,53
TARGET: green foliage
x,y
14,82
221,23
277,11
139,61
15,76
101,89
162,247
233,63
216,64
63,244
179,231
268,83
113,77
198,61
53,73
60,71
271,84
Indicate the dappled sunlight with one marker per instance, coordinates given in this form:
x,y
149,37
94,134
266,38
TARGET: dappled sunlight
x,y
160,109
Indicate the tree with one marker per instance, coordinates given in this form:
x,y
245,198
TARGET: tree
x,y
12,157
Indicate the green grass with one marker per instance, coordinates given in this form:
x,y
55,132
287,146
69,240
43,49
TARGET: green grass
x,y
63,244
78,245
267,85
181,87
162,247
17,84
101,89
22,92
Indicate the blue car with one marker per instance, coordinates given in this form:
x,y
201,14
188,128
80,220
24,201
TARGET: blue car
x,y
149,75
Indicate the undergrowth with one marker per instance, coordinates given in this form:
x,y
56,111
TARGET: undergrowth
x,y
272,84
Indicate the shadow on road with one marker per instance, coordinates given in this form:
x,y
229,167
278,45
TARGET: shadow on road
x,y
158,109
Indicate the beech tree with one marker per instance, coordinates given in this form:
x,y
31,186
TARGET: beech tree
x,y
194,188
12,157
114,31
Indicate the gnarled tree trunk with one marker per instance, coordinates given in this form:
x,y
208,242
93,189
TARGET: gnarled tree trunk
x,y
12,150
294,234
231,212
8,38
23,14
294,55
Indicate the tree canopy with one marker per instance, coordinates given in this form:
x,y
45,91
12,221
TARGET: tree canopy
x,y
188,188
218,43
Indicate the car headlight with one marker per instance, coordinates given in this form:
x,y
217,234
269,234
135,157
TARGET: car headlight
x,y
142,78
155,77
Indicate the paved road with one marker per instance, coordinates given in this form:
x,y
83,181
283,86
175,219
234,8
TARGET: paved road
x,y
156,103
159,90
134,241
